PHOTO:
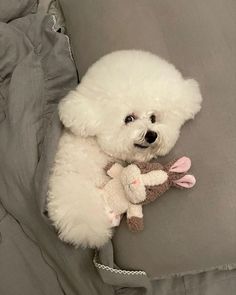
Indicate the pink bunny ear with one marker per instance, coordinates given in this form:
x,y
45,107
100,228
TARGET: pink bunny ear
x,y
181,165
186,181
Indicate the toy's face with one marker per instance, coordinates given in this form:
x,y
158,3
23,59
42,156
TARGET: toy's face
x,y
132,182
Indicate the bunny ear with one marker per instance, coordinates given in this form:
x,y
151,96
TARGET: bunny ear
x,y
187,181
181,165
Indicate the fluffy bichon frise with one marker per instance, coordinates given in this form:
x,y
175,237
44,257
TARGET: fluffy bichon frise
x,y
129,106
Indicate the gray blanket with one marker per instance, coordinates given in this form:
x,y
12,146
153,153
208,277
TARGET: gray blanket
x,y
36,71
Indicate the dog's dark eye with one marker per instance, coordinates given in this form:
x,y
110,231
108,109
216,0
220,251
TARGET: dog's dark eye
x,y
153,118
129,118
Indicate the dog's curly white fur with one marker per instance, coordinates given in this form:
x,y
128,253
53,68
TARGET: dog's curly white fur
x,y
122,96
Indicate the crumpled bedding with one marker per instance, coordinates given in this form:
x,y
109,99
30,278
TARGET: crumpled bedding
x,y
36,71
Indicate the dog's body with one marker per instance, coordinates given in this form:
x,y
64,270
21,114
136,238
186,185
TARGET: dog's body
x,y
75,191
129,106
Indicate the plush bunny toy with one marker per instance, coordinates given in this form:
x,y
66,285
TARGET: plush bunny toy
x,y
141,183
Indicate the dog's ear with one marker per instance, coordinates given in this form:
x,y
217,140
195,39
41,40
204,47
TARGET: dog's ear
x,y
183,104
79,114
188,102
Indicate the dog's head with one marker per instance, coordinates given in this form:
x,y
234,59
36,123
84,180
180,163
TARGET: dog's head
x,y
133,102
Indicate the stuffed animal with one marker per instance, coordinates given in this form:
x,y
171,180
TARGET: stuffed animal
x,y
137,184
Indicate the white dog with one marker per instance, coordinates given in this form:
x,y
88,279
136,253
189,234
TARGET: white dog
x,y
129,106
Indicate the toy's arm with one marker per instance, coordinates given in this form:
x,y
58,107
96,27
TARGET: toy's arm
x,y
114,169
135,218
154,177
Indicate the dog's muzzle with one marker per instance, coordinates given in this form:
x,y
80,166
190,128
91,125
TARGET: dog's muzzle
x,y
150,137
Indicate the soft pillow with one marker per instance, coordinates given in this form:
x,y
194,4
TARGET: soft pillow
x,y
194,230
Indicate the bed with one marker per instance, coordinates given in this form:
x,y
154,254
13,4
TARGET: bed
x,y
189,243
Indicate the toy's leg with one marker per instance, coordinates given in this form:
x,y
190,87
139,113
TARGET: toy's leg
x,y
113,217
135,218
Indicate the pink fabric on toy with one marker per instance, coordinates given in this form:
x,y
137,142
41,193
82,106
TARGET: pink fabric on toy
x,y
136,182
186,181
181,165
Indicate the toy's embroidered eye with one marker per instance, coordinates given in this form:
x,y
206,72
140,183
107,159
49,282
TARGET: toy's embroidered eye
x,y
129,118
153,118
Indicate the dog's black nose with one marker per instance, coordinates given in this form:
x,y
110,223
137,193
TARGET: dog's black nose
x,y
150,136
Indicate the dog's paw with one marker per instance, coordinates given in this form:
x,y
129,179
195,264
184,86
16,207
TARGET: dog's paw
x,y
135,224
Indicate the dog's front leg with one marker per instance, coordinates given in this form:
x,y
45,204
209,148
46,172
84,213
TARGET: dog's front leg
x,y
135,217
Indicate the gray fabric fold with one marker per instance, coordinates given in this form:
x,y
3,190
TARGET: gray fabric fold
x,y
36,70
12,9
